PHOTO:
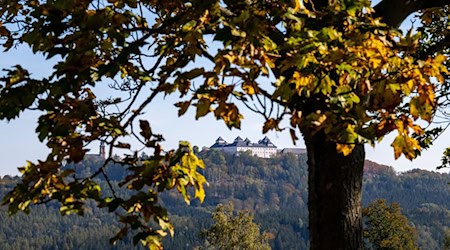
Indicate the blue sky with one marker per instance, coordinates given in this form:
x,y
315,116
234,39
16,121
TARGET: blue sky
x,y
18,141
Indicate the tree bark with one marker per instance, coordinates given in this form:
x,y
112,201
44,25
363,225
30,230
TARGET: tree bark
x,y
335,192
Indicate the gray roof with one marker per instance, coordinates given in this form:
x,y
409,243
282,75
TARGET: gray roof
x,y
220,142
220,139
296,151
266,141
238,142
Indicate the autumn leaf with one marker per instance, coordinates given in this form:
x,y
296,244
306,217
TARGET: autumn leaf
x,y
345,149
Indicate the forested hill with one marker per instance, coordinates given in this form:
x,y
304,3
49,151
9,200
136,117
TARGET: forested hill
x,y
423,195
274,189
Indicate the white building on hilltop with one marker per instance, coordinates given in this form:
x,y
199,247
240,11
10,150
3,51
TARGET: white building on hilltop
x,y
264,148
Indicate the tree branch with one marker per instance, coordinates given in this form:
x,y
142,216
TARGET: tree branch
x,y
394,12
440,46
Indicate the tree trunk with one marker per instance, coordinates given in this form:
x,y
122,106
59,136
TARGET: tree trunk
x,y
334,203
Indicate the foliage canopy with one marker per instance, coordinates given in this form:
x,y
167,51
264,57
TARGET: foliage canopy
x,y
338,69
234,232
387,228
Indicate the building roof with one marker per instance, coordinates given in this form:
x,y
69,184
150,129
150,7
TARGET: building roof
x,y
220,139
266,141
296,151
220,142
238,142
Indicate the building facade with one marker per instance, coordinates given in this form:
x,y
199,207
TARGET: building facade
x,y
101,156
264,148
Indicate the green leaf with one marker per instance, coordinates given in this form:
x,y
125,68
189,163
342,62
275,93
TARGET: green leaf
x,y
203,107
189,26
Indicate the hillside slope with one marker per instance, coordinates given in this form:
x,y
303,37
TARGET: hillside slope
x,y
275,190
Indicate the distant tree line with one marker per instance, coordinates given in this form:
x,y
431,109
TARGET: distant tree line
x,y
271,190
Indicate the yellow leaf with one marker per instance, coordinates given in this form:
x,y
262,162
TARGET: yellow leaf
x,y
398,146
302,81
406,145
69,200
189,26
268,61
439,59
345,149
298,5
249,88
414,105
325,85
374,62
199,190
